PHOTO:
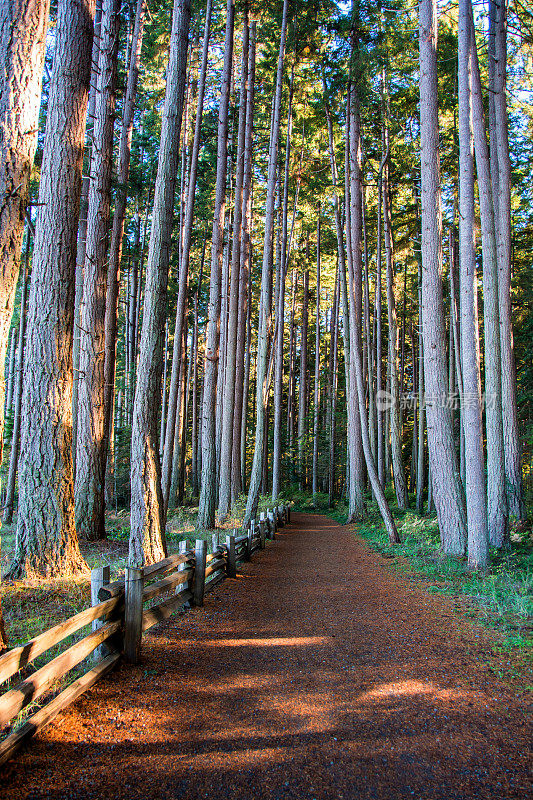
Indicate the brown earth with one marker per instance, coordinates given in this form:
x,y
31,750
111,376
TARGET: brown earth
x,y
318,673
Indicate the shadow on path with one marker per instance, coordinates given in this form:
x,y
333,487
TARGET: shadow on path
x,y
317,673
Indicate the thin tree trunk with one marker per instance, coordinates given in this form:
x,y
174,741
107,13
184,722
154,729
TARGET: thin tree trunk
x,y
511,437
497,500
46,541
208,491
239,442
280,310
264,309
334,378
15,438
228,401
357,506
445,476
476,496
317,361
147,541
117,235
184,267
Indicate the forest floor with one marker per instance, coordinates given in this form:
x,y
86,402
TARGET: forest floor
x,y
320,672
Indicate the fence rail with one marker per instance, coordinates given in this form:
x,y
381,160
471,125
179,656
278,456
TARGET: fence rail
x,y
119,619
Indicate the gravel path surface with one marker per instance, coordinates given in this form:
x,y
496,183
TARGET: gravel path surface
x,y
317,673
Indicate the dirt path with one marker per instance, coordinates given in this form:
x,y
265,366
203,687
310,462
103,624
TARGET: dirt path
x,y
318,673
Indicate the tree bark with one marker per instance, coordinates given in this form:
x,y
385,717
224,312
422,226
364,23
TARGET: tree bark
x,y
46,541
208,491
147,540
90,432
264,309
316,397
445,476
117,232
184,268
511,438
497,500
15,438
476,497
357,506
228,400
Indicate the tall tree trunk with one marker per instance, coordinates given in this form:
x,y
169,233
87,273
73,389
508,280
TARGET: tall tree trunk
x,y
511,438
228,401
317,362
476,497
244,268
208,491
302,383
445,476
497,500
355,288
117,232
82,224
23,26
90,432
184,267
334,378
147,541
46,536
264,309
15,438
357,506
280,310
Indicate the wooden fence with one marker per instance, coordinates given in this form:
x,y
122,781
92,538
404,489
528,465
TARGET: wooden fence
x,y
119,618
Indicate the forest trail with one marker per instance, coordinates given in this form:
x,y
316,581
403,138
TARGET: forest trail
x,y
318,673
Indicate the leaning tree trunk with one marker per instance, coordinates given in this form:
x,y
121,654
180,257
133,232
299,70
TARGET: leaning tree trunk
x,y
355,288
90,432
476,497
147,540
46,535
446,481
497,500
206,510
264,307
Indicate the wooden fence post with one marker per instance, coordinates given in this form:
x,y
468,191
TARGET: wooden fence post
x,y
288,507
262,530
250,533
99,577
232,562
214,542
200,553
279,512
271,524
183,547
133,615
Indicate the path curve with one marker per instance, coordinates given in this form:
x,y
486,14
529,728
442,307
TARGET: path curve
x,y
317,673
